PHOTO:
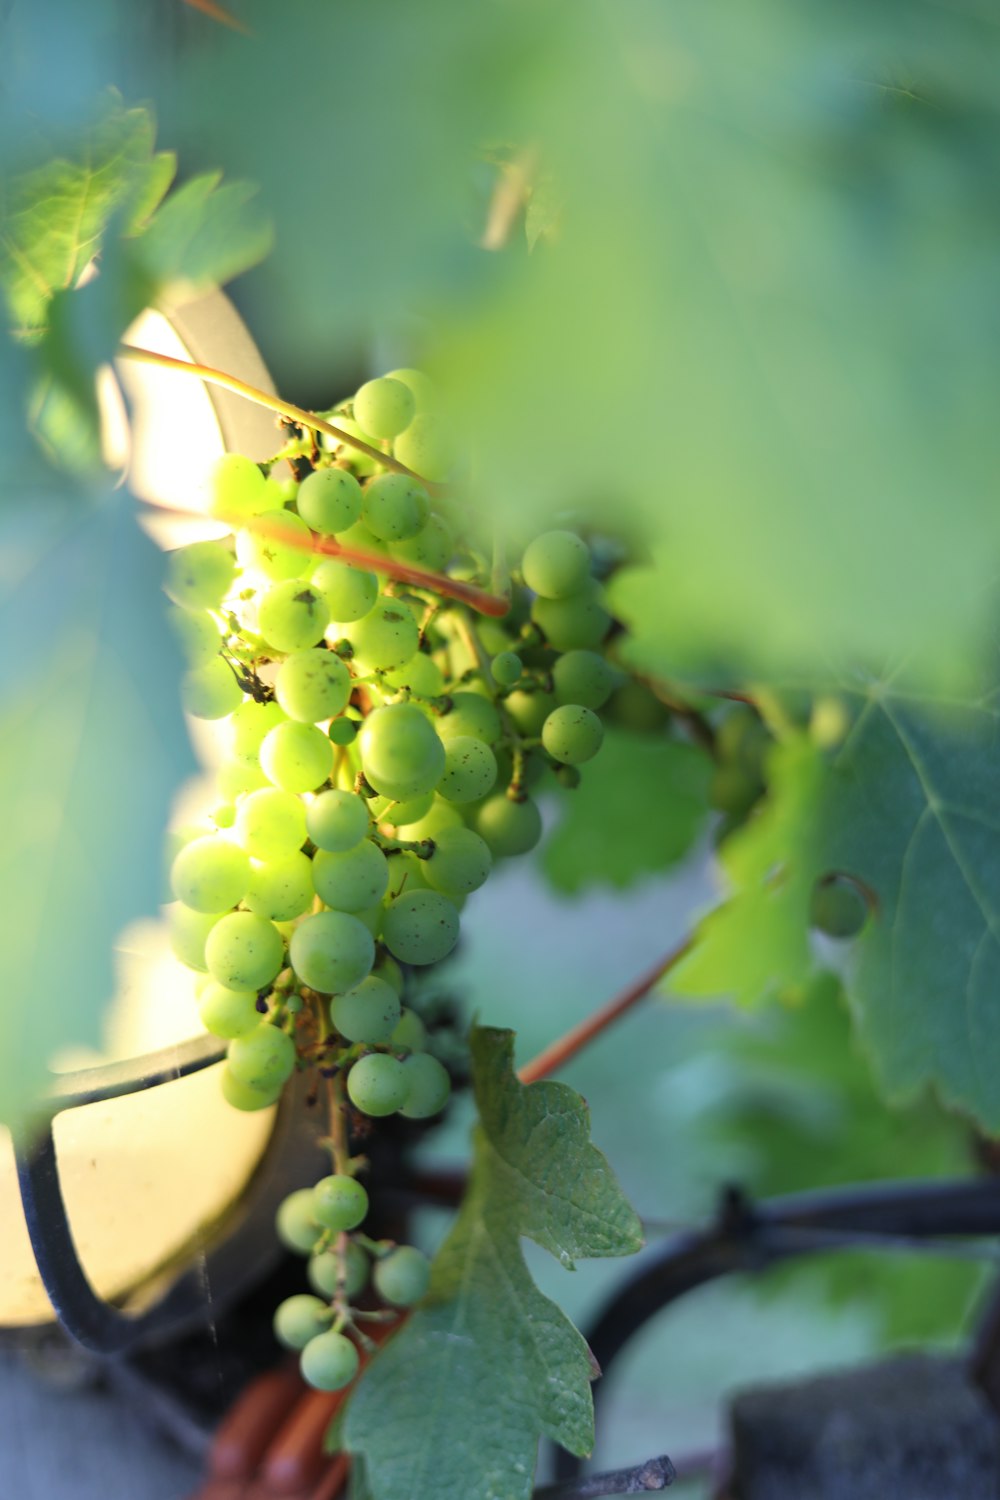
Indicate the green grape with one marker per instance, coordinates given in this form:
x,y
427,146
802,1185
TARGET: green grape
x,y
343,731
395,507
244,951
572,734
197,634
240,774
337,821
250,723
353,879
377,1084
583,677
401,754
506,668
313,685
243,1095
403,1276
742,738
277,545
293,615
470,770
296,757
529,710
296,1224
331,951
278,491
422,386
388,970
409,1032
388,810
200,575
228,1013
371,916
189,931
281,889
734,789
224,815
329,500
211,692
568,777
425,447
367,1013
299,1319
633,706
385,638
339,1202
406,873
432,547
349,592
556,564
360,539
420,927
838,907
329,1362
421,674
460,864
428,1087
508,827
578,622
263,1059
324,1272
472,714
385,406
360,462
210,874
442,815
236,489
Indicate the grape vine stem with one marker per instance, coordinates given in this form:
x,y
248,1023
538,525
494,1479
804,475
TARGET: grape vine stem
x,y
558,1053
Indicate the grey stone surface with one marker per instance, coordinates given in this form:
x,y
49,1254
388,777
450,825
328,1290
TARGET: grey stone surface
x,y
913,1428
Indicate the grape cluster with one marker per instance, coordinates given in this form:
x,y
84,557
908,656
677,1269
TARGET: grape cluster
x,y
384,746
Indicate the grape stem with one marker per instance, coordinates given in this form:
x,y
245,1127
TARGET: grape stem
x,y
558,1053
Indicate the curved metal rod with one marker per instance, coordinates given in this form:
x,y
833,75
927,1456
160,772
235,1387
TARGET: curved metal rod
x,y
112,1080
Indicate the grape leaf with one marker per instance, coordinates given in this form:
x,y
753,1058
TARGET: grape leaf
x,y
487,1364
638,808
93,749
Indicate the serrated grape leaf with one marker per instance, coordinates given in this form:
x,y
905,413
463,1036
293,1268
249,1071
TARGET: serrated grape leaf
x,y
910,805
92,751
638,809
487,1365
205,233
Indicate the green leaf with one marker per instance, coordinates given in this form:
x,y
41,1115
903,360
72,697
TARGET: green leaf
x,y
93,749
487,1364
205,233
638,809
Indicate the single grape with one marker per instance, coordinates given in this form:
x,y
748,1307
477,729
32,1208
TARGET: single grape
x,y
329,500
250,723
244,951
224,815
296,757
210,874
420,927
421,674
395,507
508,827
228,1013
386,637
470,770
200,575
384,407
211,692
189,932
197,634
387,810
337,821
296,1223
299,1319
428,1087
529,709
568,777
263,1059
401,754
402,1277
460,864
329,1362
240,774
406,873
277,545
572,734
361,539
470,714
506,668
432,547
556,564
270,824
313,685
281,889
324,1272
280,489
361,463
236,489
388,970
368,1013
344,731
339,1202
838,907
423,388
292,615
409,1032
425,447
349,592
244,1096
578,622
633,706
331,951
377,1084
442,815
734,789
353,879
583,677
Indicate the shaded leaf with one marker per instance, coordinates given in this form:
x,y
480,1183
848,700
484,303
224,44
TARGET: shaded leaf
x,y
206,232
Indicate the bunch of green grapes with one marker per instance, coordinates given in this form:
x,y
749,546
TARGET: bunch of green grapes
x,y
385,749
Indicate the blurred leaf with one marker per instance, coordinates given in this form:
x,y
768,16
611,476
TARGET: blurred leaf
x,y
205,233
94,747
638,809
499,1365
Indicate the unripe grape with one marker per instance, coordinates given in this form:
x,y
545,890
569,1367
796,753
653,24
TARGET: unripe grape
x,y
386,637
360,462
228,1013
313,685
460,863
421,674
508,827
401,754
277,544
376,1084
210,874
244,1096
200,575
350,592
281,889
270,824
237,489
529,710
197,634
339,1202
189,932
572,734
420,927
352,880
409,1032
470,714
506,668
292,615
388,810
402,1277
425,447
406,873
432,547
299,1319
422,386
244,951
343,731
324,1271
337,820
556,564
211,692
578,622
329,500
428,1087
331,951
384,407
297,1226
329,1362
838,907
368,1013
250,723
583,677
395,507
239,775
296,757
470,770
263,1059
